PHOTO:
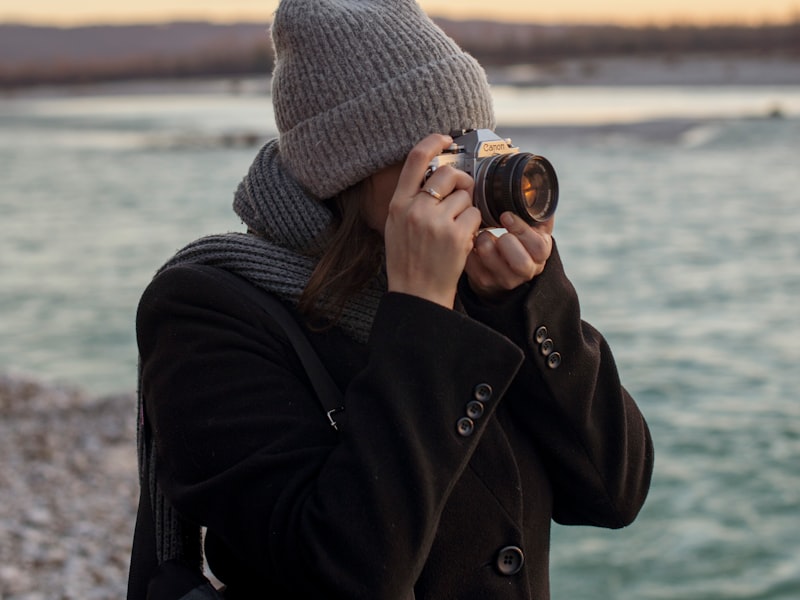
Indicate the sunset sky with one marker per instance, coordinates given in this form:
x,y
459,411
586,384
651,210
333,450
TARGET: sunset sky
x,y
587,11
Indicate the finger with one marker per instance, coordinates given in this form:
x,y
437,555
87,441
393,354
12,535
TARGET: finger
x,y
516,257
447,179
441,214
536,239
470,219
505,258
488,269
455,203
417,162
485,249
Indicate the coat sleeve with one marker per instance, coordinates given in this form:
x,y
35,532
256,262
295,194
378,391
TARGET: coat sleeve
x,y
568,397
245,450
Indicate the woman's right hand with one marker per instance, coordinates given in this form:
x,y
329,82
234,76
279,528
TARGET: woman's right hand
x,y
428,240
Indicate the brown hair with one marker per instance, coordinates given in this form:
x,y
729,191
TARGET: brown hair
x,y
352,257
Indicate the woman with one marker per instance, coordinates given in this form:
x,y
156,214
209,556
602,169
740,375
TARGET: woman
x,y
477,404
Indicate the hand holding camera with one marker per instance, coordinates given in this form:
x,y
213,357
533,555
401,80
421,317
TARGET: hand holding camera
x,y
468,181
501,264
429,236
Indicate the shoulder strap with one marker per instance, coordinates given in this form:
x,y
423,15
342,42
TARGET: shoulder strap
x,y
328,393
144,555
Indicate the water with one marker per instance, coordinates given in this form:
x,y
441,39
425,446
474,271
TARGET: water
x,y
680,233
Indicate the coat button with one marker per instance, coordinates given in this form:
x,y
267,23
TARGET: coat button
x,y
547,347
510,560
554,360
541,334
465,427
483,392
475,409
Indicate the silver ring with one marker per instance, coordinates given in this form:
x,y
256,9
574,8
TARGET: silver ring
x,y
434,193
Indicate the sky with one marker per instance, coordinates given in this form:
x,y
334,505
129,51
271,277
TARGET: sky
x,y
74,12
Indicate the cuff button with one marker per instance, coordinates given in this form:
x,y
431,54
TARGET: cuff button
x,y
465,427
475,409
483,392
554,360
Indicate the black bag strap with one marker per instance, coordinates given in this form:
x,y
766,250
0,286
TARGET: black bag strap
x,y
328,393
144,563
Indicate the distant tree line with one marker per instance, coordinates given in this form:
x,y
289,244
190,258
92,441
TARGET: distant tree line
x,y
213,62
553,44
494,44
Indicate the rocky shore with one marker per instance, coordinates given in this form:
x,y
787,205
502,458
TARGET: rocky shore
x,y
68,491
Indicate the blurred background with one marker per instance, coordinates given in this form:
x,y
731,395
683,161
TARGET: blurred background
x,y
675,130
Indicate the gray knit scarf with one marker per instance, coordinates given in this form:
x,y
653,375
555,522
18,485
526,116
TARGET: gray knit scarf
x,y
290,231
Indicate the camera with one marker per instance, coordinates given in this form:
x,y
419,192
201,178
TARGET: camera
x,y
505,178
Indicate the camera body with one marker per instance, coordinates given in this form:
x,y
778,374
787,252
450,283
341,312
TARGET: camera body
x,y
505,178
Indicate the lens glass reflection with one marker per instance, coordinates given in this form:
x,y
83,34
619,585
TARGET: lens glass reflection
x,y
536,191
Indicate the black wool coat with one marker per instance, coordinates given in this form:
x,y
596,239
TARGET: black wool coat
x,y
465,433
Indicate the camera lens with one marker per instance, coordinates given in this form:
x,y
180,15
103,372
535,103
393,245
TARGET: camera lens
x,y
522,183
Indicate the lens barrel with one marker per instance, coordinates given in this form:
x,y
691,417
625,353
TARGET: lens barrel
x,y
523,183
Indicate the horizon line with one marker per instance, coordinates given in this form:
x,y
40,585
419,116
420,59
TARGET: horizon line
x,y
252,20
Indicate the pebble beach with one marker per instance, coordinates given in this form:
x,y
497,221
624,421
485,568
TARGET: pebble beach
x,y
68,491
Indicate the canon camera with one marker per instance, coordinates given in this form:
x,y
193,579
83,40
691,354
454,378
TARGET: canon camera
x,y
505,178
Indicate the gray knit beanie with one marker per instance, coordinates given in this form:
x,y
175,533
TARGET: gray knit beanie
x,y
357,83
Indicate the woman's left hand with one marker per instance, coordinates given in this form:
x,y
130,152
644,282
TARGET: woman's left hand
x,y
499,265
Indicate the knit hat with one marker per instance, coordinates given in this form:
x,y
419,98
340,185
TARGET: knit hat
x,y
357,83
